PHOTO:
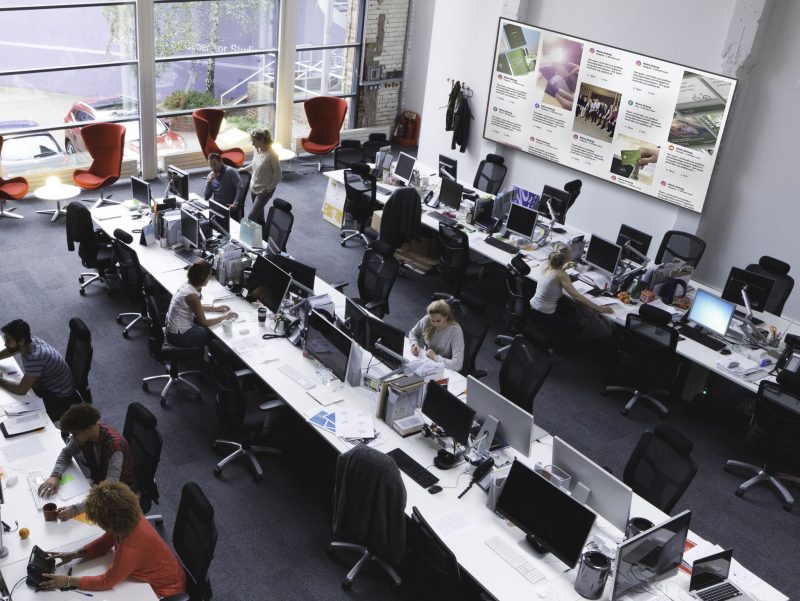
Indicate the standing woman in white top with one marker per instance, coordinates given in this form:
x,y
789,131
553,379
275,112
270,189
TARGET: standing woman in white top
x,y
441,336
187,324
266,171
554,315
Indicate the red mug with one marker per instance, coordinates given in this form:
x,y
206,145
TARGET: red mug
x,y
49,510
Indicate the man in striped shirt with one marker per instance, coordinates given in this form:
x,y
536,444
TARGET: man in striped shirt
x,y
44,368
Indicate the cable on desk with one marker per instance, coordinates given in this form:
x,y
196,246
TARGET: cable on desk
x,y
13,588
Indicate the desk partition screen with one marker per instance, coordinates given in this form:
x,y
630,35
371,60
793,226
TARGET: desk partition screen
x,y
632,120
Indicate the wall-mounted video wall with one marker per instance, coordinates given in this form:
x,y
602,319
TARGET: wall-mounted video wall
x,y
639,122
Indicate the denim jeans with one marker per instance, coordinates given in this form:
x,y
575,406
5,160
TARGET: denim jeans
x,y
194,336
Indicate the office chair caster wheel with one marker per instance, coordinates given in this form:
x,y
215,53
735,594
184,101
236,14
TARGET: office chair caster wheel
x,y
162,401
330,553
394,587
80,279
347,584
82,292
342,243
739,492
119,320
125,334
726,468
604,393
624,412
787,506
217,471
145,387
258,478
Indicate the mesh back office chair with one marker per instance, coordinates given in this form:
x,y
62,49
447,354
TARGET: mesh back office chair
x,y
105,142
11,189
131,279
470,313
194,539
278,226
523,372
660,468
454,258
145,441
491,173
241,408
94,247
648,353
325,116
207,123
784,283
360,190
79,358
376,276
436,569
774,427
681,245
520,291
347,154
373,144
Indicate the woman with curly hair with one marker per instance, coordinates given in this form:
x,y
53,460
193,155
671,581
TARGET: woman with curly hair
x,y
139,552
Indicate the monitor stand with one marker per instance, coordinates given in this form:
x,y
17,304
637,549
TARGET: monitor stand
x,y
445,460
535,544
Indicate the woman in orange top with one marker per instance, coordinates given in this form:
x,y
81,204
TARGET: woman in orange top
x,y
139,552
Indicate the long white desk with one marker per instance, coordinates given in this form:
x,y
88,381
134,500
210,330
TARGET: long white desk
x,y
478,523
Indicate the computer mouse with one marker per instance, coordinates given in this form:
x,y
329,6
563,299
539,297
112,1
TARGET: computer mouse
x,y
542,592
11,480
435,488
725,351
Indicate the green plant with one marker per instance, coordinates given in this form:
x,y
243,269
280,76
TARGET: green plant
x,y
180,100
245,123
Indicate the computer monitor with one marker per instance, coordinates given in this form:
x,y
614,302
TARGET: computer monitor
x,y
268,283
502,202
220,213
515,427
559,200
140,190
521,220
383,160
711,312
450,194
759,288
327,344
525,198
404,167
484,209
711,570
608,496
190,228
553,521
638,240
448,412
303,276
178,182
356,320
603,254
448,168
651,554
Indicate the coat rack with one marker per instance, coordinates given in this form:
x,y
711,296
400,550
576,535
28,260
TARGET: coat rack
x,y
465,89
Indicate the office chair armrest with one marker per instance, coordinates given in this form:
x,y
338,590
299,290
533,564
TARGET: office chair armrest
x,y
244,373
479,373
503,340
441,296
501,353
270,405
371,306
178,597
339,286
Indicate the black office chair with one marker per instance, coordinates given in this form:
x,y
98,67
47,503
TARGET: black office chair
x,y
360,189
435,567
369,501
373,144
470,313
775,428
491,173
681,245
523,372
455,264
376,276
194,539
238,399
348,153
574,189
246,179
145,441
94,247
278,226
520,290
784,283
131,279
164,352
648,355
79,359
401,220
661,468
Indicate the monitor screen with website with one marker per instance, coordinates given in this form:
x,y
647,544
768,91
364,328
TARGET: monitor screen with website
x,y
551,519
178,182
448,412
711,312
638,240
559,201
450,194
268,283
515,426
303,276
190,228
603,254
759,288
448,168
220,213
525,198
651,554
327,344
404,167
140,190
521,220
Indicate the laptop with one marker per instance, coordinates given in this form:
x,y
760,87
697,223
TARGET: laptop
x,y
710,579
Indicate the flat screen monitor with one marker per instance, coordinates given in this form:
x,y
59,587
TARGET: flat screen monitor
x,y
651,554
178,182
450,194
389,336
190,228
484,208
525,198
515,426
638,240
327,344
448,412
356,320
559,200
140,190
448,168
552,520
404,167
521,220
603,254
220,213
268,283
303,276
711,312
759,288
608,496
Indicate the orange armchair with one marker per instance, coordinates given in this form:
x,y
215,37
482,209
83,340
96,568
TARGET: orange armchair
x,y
105,143
325,115
206,125
11,189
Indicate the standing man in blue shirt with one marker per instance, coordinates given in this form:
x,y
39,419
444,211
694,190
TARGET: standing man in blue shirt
x,y
224,183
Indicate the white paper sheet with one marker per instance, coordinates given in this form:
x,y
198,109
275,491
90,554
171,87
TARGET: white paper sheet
x,y
354,424
27,446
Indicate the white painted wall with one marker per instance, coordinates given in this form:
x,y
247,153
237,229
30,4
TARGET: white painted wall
x,y
419,44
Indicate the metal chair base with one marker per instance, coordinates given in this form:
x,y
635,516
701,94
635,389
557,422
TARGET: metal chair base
x,y
86,278
7,212
249,452
350,234
180,378
56,213
366,556
649,396
762,474
137,317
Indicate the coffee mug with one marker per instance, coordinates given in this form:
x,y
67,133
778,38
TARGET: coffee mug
x,y
636,526
262,315
49,510
227,327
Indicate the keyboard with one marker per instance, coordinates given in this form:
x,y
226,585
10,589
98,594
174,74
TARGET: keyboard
x,y
742,315
35,479
720,592
694,333
186,255
412,469
515,559
384,190
442,218
294,375
500,245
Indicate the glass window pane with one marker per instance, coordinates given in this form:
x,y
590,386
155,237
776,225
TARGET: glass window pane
x,y
324,72
327,22
300,127
187,28
26,154
61,39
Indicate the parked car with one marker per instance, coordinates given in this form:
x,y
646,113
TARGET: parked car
x,y
30,152
115,107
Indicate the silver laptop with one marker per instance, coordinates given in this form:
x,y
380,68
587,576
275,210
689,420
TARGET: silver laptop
x,y
710,579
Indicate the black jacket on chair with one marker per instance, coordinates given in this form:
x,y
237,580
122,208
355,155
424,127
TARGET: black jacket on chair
x,y
402,218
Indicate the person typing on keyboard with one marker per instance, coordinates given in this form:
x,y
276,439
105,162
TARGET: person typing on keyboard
x,y
104,450
441,335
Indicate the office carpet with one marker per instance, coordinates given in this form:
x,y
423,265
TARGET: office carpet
x,y
273,535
